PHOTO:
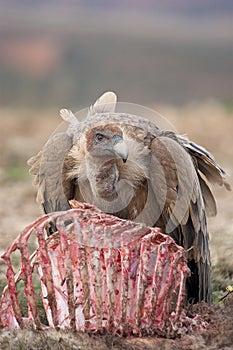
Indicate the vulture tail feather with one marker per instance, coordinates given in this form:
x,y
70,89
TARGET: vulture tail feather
x,y
209,200
206,163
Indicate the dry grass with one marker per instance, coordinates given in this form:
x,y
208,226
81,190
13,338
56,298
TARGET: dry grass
x,y
218,335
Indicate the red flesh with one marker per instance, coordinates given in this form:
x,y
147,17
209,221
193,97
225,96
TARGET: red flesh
x,y
98,273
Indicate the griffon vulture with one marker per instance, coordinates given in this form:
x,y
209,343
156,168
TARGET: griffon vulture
x,y
128,167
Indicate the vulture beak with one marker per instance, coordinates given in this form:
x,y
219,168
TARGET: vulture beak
x,y
120,148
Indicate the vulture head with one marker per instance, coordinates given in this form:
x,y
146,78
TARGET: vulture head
x,y
106,142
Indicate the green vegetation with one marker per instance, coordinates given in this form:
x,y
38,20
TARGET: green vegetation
x,y
222,276
228,104
23,300
3,283
15,172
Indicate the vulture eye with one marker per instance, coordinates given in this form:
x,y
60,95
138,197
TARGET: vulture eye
x,y
99,137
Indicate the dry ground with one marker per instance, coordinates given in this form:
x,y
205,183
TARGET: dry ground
x,y
22,135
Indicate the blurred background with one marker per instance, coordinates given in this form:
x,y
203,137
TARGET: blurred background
x,y
58,52
175,56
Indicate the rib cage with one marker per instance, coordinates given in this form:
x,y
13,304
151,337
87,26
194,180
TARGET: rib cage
x,y
98,274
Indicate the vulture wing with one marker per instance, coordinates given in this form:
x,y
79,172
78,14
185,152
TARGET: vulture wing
x,y
47,166
178,199
182,209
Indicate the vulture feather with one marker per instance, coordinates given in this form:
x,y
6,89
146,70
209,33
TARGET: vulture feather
x,y
128,167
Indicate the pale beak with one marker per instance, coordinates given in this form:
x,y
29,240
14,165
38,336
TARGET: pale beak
x,y
120,148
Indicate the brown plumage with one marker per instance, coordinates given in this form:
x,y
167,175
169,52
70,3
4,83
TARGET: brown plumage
x,y
162,183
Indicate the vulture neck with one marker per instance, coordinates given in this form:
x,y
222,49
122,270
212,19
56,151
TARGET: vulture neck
x,y
102,174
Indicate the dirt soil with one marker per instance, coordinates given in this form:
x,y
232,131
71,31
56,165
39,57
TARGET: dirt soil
x,y
22,135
